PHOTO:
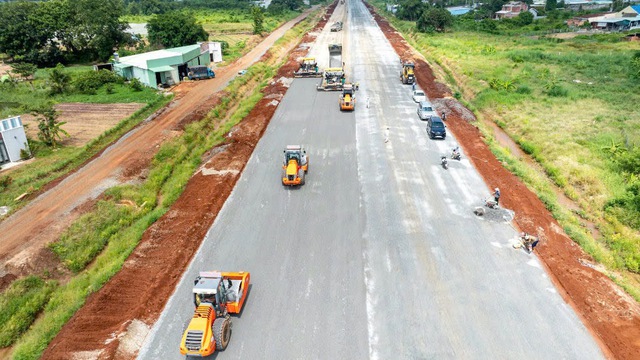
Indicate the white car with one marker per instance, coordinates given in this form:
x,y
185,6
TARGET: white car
x,y
425,110
418,95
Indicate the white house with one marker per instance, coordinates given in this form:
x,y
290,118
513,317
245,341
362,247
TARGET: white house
x,y
12,139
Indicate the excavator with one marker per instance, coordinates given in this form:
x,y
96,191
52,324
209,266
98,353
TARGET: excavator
x,y
295,166
348,99
308,68
407,75
215,295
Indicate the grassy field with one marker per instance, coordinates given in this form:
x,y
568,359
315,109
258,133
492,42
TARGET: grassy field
x,y
98,243
572,105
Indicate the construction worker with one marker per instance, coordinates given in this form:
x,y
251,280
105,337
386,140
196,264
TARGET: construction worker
x,y
496,195
413,86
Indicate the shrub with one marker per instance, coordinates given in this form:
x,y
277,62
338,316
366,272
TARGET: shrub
x,y
523,89
88,82
136,85
5,181
557,91
25,154
109,88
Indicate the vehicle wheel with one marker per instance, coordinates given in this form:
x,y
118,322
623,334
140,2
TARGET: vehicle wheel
x,y
301,176
222,332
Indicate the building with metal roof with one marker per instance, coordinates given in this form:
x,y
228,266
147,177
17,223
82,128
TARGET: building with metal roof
x,y
162,67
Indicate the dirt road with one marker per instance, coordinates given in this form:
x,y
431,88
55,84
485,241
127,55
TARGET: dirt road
x,y
26,232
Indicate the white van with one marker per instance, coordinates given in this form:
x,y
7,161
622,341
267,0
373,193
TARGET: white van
x,y
425,110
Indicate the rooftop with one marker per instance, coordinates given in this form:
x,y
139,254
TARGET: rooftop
x,y
140,60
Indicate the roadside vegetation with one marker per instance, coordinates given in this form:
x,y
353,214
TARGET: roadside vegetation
x,y
97,244
38,93
571,105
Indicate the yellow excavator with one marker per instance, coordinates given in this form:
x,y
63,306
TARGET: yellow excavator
x,y
348,98
407,75
215,295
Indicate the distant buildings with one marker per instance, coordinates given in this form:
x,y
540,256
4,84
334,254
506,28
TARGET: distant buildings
x,y
163,67
625,19
511,10
12,140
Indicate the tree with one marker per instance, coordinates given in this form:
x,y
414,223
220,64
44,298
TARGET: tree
x,y
434,19
411,10
49,128
524,18
175,29
25,70
551,5
278,6
58,80
23,31
258,19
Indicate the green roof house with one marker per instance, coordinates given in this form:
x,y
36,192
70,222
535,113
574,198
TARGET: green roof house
x,y
159,67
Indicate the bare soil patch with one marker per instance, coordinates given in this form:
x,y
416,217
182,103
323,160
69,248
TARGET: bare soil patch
x,y
85,122
607,311
169,244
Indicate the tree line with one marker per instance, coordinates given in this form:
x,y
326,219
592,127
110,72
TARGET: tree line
x,y
49,32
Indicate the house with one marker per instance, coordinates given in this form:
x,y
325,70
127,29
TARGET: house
x,y
625,19
583,19
162,67
12,140
511,10
215,51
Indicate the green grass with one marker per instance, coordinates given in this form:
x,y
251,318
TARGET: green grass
x,y
572,107
20,304
104,238
51,164
21,97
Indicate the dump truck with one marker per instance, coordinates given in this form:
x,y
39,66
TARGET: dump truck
x,y
295,165
215,296
200,72
348,98
407,75
333,78
335,56
308,68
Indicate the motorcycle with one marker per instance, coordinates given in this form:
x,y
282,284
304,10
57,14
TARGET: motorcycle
x,y
444,163
455,154
526,241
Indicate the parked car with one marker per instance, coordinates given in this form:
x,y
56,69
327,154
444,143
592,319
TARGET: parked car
x,y
242,72
425,110
418,95
337,26
436,128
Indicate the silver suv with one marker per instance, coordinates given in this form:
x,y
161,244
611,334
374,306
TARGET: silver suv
x,y
425,110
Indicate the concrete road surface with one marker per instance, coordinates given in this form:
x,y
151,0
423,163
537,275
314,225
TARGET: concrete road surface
x,y
379,255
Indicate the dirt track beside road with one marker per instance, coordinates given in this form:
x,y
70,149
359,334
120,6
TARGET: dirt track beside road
x,y
148,278
27,232
611,315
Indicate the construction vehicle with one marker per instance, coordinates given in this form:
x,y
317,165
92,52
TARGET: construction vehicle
x,y
407,75
348,98
333,78
215,295
308,68
295,166
335,56
200,72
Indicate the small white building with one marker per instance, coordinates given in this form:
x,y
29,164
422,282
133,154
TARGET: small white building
x,y
215,51
12,140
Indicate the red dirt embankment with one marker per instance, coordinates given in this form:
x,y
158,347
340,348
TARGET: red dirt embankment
x,y
611,315
148,278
